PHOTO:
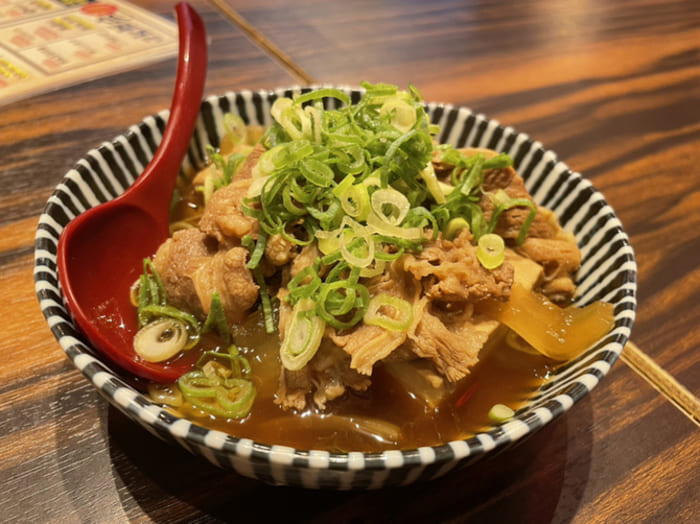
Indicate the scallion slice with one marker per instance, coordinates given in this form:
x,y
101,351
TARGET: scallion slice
x,y
355,202
491,251
390,312
161,339
219,385
390,205
454,227
216,319
327,92
302,336
500,413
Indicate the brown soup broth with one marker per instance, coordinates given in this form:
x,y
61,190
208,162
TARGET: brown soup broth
x,y
503,376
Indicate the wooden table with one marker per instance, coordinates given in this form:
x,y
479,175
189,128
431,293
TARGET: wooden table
x,y
612,85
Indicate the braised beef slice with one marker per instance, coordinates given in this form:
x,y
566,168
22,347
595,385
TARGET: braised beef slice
x,y
326,377
451,271
176,261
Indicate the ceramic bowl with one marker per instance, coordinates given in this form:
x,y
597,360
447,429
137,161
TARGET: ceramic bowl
x,y
608,273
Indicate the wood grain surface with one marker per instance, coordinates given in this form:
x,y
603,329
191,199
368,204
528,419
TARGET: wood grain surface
x,y
612,86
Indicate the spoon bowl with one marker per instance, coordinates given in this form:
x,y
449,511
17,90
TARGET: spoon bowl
x,y
100,252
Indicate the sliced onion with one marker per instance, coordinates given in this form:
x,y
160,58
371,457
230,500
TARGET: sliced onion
x,y
161,339
515,341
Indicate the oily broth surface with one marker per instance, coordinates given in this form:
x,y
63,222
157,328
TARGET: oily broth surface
x,y
503,375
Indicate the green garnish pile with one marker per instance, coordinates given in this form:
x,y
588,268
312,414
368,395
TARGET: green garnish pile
x,y
359,180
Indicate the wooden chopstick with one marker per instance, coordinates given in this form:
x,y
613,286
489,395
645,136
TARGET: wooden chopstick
x,y
263,42
662,381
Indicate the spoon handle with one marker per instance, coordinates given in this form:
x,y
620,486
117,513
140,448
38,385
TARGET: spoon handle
x,y
160,175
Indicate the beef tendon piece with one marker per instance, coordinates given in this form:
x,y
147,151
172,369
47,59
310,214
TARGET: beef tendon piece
x,y
226,273
223,216
176,260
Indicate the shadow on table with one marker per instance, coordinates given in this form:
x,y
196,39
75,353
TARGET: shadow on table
x,y
540,480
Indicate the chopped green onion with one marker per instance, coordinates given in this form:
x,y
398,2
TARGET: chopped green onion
x,y
363,256
265,300
360,181
390,312
343,186
373,270
164,330
500,413
403,114
161,339
316,172
219,385
327,92
150,290
332,300
305,283
355,201
258,252
221,171
390,205
216,319
381,226
302,336
235,128
491,251
500,161
433,184
454,227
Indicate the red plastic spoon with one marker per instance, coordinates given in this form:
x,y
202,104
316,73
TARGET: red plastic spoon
x,y
100,252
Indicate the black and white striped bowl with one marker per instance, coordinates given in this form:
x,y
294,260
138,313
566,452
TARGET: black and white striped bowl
x,y
608,273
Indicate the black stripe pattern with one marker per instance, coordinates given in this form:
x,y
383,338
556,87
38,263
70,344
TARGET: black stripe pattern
x,y
608,272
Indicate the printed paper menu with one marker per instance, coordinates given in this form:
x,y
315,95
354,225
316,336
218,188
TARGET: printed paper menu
x,y
49,44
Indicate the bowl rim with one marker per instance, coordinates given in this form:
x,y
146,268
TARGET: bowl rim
x,y
214,444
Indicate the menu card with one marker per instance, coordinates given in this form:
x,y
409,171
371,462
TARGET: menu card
x,y
49,44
